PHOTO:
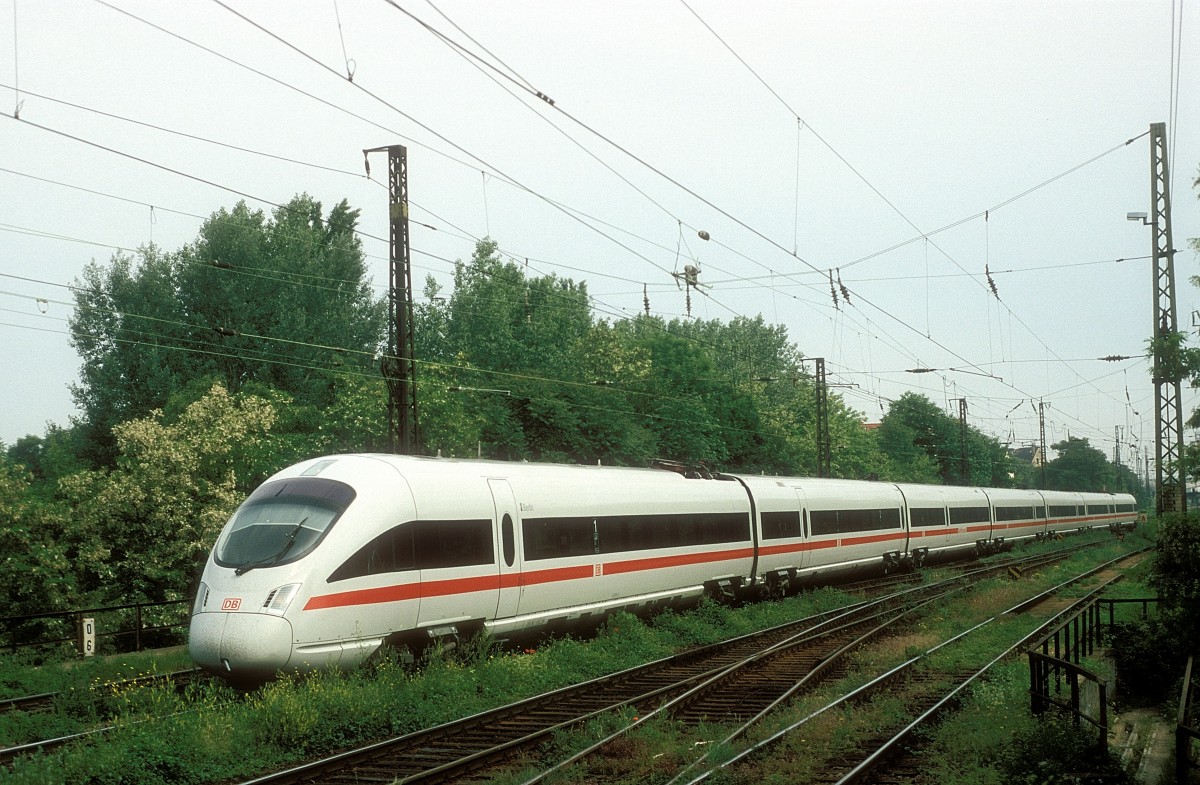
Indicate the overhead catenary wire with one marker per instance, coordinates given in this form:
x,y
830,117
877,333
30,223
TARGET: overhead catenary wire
x,y
852,284
435,133
764,237
403,114
263,356
880,194
433,364
557,107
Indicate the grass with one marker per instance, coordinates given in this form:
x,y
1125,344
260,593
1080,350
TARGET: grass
x,y
212,736
1000,722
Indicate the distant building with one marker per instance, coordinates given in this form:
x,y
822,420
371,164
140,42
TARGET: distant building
x,y
1030,455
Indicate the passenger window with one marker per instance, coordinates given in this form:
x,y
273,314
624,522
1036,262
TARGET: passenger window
x,y
510,545
391,551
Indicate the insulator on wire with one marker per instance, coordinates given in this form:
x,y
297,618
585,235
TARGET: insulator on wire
x,y
842,286
833,292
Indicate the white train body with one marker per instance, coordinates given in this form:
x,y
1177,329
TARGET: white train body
x,y
333,557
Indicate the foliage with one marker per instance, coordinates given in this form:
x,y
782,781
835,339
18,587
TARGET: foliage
x,y
140,530
924,444
279,301
1052,751
1176,572
1150,655
1081,467
35,561
517,367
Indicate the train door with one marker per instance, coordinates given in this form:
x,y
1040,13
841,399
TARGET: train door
x,y
804,557
508,524
905,522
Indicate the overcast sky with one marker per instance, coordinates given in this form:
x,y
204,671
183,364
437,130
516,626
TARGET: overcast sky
x,y
802,137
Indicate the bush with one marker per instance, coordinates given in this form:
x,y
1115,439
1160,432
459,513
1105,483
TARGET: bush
x,y
1150,656
1053,751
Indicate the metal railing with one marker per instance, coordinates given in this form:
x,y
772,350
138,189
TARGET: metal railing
x,y
1186,731
113,623
1112,604
1055,660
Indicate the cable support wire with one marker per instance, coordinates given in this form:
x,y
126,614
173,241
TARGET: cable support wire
x,y
274,358
342,350
473,61
618,147
923,235
233,190
517,184
247,228
243,270
432,364
499,172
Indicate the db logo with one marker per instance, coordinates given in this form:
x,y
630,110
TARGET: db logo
x,y
231,603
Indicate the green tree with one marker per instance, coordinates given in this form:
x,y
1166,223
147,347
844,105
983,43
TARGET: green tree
x,y
139,531
924,444
279,301
36,574
517,367
1078,467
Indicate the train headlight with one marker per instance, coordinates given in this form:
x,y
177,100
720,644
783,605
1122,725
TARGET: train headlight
x,y
201,599
279,599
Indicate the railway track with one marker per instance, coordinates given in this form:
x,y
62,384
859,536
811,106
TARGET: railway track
x,y
696,683
45,702
894,754
528,723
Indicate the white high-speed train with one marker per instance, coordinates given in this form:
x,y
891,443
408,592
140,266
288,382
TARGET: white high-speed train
x,y
332,558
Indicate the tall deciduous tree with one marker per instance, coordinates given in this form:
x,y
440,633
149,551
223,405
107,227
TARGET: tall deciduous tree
x,y
279,301
1078,467
925,444
139,530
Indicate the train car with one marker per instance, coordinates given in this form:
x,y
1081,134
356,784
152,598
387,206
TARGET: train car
x,y
331,558
1065,511
1110,510
945,522
1016,515
1071,511
335,557
819,530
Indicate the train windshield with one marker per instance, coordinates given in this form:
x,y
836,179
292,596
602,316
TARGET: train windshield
x,y
281,522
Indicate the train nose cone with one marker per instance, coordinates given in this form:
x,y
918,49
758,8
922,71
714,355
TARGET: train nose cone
x,y
241,647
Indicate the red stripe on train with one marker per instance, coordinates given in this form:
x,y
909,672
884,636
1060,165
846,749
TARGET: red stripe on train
x,y
451,586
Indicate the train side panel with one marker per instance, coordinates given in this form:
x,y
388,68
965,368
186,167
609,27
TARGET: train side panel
x,y
781,517
1018,514
852,526
597,540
